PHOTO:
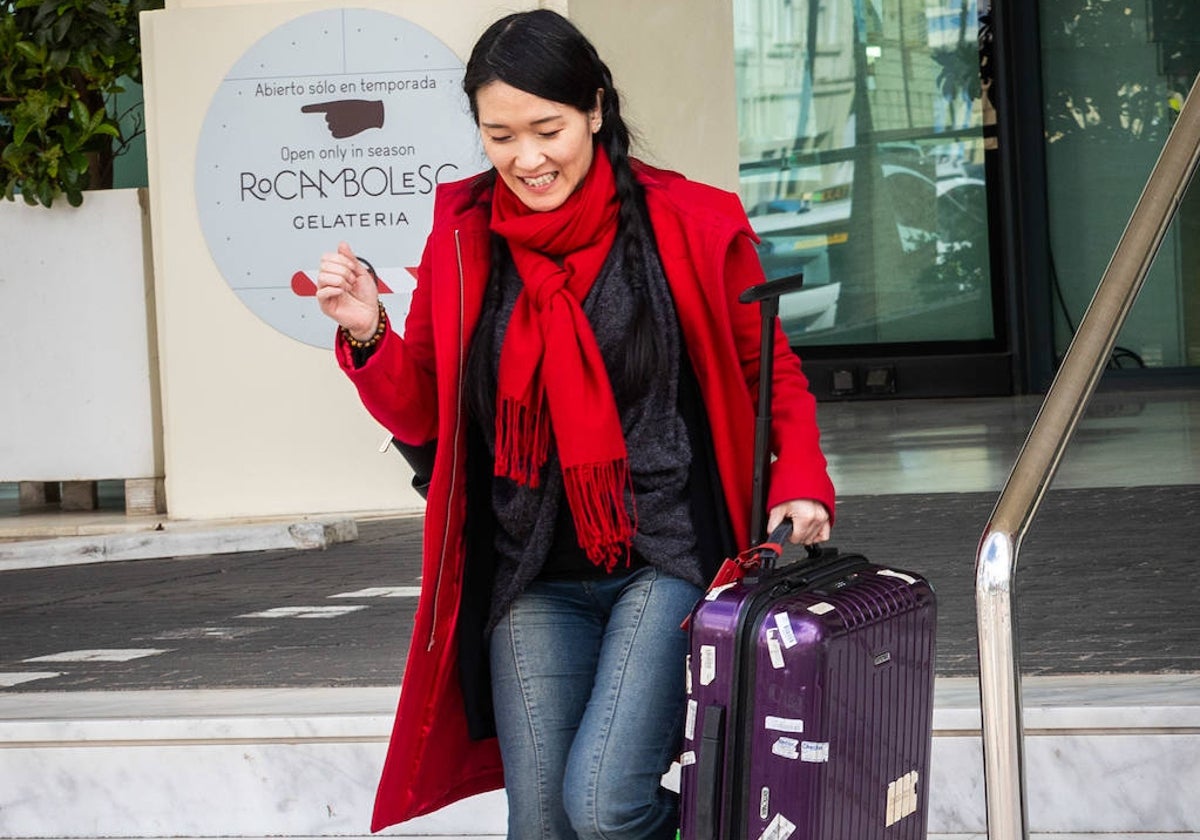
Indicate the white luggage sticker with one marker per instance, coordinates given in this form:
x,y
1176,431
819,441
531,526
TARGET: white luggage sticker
x,y
784,622
712,594
814,752
689,728
708,664
909,579
782,724
902,798
779,828
687,758
786,748
822,608
774,649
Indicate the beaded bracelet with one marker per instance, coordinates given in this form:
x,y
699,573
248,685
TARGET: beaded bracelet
x,y
374,339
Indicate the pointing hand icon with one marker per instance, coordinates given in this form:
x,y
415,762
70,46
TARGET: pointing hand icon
x,y
348,117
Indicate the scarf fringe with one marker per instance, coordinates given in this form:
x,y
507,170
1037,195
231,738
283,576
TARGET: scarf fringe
x,y
596,495
522,441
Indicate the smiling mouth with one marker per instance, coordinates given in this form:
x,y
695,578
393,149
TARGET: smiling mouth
x,y
540,181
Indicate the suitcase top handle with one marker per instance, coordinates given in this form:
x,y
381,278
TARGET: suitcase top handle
x,y
763,556
772,289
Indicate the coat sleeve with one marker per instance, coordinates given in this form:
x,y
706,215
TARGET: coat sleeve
x,y
397,383
799,469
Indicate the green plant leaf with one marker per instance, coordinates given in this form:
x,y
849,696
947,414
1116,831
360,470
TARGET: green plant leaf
x,y
79,112
58,59
63,62
31,51
62,26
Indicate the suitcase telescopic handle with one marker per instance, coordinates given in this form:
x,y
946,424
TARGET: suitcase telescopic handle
x,y
766,295
772,549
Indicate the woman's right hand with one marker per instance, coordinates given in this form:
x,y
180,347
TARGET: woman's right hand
x,y
347,293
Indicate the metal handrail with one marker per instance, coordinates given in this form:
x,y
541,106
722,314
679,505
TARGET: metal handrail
x,y
1065,402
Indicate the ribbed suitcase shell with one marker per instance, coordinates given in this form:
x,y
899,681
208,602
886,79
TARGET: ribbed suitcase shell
x,y
822,676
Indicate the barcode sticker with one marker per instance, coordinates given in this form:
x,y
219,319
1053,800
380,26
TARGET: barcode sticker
x,y
708,664
774,649
784,622
712,594
780,828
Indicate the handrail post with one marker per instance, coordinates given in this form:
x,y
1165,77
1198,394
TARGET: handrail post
x,y
1065,402
1000,687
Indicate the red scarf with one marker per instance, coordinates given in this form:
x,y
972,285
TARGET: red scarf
x,y
552,381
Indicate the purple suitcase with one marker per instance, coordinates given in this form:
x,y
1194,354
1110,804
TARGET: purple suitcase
x,y
810,706
809,688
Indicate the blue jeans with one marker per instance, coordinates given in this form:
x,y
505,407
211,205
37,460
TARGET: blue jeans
x,y
588,683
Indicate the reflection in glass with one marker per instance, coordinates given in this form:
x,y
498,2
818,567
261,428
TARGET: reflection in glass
x,y
1114,76
861,163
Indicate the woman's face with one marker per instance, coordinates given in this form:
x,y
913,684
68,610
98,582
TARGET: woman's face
x,y
542,149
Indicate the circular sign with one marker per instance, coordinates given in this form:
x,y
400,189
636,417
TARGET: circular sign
x,y
335,126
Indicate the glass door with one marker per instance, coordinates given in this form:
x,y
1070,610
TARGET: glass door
x,y
861,127
1115,75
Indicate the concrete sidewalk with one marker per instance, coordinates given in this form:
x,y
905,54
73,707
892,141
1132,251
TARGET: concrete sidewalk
x,y
160,538
341,614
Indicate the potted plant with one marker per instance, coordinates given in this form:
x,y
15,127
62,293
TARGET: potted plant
x,y
65,62
86,405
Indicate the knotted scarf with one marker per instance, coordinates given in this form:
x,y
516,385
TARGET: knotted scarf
x,y
552,383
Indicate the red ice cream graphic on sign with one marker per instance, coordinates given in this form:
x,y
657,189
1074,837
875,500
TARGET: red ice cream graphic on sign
x,y
303,285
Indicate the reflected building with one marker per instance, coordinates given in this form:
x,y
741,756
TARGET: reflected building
x,y
933,240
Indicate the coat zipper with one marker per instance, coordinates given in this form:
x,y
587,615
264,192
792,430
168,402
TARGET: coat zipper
x,y
458,418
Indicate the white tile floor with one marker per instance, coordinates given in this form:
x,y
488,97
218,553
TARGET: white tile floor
x,y
1132,438
1129,438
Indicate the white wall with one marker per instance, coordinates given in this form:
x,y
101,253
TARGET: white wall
x,y
672,63
76,350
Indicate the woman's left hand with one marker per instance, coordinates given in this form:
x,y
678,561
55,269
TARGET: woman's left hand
x,y
810,520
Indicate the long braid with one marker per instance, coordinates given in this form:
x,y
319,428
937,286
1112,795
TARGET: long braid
x,y
645,351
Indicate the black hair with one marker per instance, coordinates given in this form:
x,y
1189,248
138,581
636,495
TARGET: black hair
x,y
542,53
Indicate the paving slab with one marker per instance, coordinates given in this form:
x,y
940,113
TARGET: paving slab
x,y
1107,585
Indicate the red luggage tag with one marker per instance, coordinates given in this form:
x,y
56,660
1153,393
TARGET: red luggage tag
x,y
734,569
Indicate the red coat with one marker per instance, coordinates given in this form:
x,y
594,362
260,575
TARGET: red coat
x,y
413,386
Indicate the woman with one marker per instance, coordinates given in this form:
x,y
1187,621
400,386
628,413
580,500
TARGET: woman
x,y
576,349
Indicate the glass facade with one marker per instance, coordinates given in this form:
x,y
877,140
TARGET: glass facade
x,y
1114,75
862,165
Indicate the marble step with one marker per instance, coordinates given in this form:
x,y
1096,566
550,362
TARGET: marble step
x,y
1111,756
1092,836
